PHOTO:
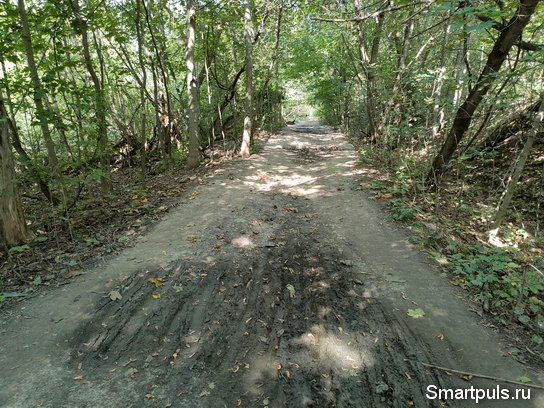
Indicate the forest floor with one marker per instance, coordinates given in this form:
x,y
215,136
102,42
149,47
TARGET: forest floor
x,y
277,282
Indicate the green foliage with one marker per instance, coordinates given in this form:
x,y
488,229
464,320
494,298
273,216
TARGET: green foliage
x,y
502,283
19,249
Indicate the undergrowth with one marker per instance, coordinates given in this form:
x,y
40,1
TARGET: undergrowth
x,y
508,282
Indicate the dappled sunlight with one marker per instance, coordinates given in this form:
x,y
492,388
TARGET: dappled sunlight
x,y
243,242
261,369
339,351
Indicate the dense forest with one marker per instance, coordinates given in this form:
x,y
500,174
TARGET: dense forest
x,y
108,108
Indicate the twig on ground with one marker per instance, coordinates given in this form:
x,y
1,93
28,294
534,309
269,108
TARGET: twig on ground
x,y
489,377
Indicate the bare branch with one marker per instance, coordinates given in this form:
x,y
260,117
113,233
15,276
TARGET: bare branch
x,y
371,15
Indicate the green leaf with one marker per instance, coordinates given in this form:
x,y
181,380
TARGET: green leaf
x,y
352,373
291,290
537,339
524,379
19,249
523,318
416,313
263,339
177,288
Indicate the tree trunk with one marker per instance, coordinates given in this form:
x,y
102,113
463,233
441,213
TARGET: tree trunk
x,y
13,229
248,105
166,108
143,89
368,64
271,65
100,101
518,166
509,35
38,94
17,145
193,156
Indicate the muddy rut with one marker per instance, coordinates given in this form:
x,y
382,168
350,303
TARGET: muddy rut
x,y
273,286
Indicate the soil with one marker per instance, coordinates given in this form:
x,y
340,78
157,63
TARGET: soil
x,y
277,283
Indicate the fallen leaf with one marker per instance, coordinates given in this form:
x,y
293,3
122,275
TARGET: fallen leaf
x,y
156,281
149,396
157,296
457,281
115,295
263,339
291,290
78,377
131,372
416,313
71,274
524,379
357,282
440,336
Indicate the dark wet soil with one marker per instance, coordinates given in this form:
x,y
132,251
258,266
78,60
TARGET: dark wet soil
x,y
287,324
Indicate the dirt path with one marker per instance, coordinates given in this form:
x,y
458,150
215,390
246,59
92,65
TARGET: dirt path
x,y
277,285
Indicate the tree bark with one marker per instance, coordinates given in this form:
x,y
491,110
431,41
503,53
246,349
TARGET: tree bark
x,y
143,90
17,145
166,114
38,96
13,228
368,62
248,102
518,166
193,156
100,101
509,36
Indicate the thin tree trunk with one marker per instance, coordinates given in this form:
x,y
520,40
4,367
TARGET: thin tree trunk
x,y
17,145
100,101
193,156
248,105
167,122
273,61
38,94
509,35
13,228
518,166
143,90
368,62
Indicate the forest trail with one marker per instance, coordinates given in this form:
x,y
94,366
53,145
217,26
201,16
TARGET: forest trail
x,y
278,283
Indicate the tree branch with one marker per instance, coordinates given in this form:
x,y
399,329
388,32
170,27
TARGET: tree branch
x,y
524,45
371,15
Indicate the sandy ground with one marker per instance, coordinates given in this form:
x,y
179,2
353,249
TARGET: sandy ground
x,y
276,284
